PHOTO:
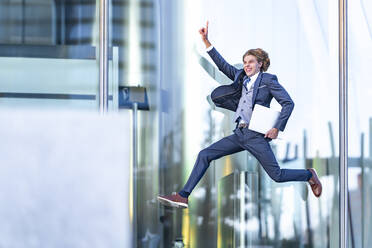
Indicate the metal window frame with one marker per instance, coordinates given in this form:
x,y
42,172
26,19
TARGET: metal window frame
x,y
343,122
103,55
343,100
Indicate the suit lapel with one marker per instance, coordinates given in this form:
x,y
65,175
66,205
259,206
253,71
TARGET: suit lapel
x,y
240,77
255,87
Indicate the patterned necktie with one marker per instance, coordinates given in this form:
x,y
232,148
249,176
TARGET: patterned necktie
x,y
246,81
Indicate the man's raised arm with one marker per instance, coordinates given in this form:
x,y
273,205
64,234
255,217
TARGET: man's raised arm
x,y
222,65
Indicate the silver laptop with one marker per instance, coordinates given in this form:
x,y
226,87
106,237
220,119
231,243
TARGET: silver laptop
x,y
263,119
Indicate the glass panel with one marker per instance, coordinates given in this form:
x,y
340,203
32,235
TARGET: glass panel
x,y
163,52
48,55
134,29
360,123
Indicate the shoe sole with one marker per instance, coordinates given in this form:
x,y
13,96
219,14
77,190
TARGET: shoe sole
x,y
170,203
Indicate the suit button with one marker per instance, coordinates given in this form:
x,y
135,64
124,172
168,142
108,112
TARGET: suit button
x,y
244,101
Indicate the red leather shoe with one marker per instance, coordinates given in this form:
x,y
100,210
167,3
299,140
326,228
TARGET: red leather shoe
x,y
315,184
174,200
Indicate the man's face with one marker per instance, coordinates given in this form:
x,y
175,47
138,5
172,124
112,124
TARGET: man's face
x,y
251,66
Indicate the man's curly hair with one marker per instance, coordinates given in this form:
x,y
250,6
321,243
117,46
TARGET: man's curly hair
x,y
262,57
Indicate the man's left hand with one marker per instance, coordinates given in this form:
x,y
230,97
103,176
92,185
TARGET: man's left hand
x,y
272,133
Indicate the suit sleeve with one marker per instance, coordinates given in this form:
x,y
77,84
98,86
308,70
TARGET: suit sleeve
x,y
283,98
222,65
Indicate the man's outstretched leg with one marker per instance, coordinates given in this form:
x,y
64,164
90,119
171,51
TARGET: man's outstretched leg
x,y
223,147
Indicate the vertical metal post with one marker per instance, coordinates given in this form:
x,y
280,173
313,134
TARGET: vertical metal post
x,y
103,55
134,168
370,138
343,77
363,185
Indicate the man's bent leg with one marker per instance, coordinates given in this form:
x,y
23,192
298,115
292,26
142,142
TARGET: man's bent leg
x,y
260,148
223,147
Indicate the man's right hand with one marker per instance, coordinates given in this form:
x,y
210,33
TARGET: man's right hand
x,y
204,34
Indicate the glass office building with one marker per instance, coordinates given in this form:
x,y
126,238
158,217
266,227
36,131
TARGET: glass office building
x,y
49,61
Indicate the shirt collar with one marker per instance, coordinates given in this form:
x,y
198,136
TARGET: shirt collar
x,y
254,77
